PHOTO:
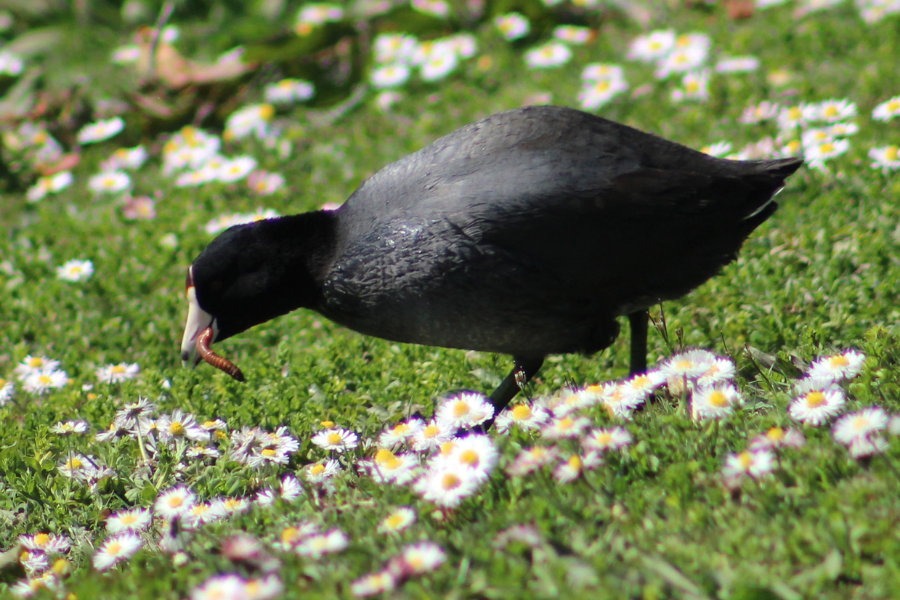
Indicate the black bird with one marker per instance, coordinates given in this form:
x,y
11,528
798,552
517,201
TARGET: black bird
x,y
526,233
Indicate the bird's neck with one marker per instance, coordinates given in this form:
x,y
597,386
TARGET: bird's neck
x,y
305,247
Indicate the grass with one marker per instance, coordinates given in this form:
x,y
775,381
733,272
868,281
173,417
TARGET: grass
x,y
656,522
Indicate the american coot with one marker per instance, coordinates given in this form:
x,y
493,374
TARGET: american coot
x,y
526,233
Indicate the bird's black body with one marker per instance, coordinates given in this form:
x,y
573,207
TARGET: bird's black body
x,y
526,233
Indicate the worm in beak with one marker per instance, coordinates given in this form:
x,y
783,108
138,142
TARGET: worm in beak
x,y
223,364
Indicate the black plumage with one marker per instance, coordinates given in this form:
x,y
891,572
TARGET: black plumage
x,y
526,233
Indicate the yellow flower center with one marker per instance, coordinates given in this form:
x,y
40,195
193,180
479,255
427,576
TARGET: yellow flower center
x,y
839,361
575,462
289,535
268,452
200,509
334,438
469,457
447,447
775,434
35,362
859,423
41,539
718,399
114,548
74,464
394,521
266,112
384,455
692,87
826,147
326,424
45,379
175,501
746,459
815,399
602,85
460,409
128,519
604,438
684,364
794,113
521,412
640,381
400,429
317,469
830,111
450,481
118,369
176,428
892,153
431,431
565,423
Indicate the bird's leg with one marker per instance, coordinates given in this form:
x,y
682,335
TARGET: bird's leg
x,y
522,372
639,322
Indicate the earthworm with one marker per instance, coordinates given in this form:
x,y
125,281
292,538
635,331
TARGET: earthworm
x,y
223,364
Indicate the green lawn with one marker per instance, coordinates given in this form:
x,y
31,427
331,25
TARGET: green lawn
x,y
655,520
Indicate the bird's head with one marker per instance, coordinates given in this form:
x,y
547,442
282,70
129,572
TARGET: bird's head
x,y
248,275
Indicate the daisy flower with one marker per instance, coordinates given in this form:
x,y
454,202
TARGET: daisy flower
x,y
791,117
75,270
139,208
46,543
421,558
720,370
398,520
394,48
565,427
688,366
265,183
617,400
203,513
118,373
111,182
512,26
752,464
49,185
681,60
135,519
249,120
815,136
860,425
318,545
70,427
652,46
336,440
530,460
290,488
373,583
846,365
465,410
758,113
843,129
439,64
550,55
115,550
715,402
604,440
818,403
640,386
868,446
447,486
390,468
778,437
737,64
573,468
101,130
475,454
832,111
887,110
432,436
314,14
43,381
321,472
401,433
180,425
819,153
126,158
175,503
221,587
600,71
596,93
572,34
7,391
886,158
694,86
524,416
235,169
719,149
288,90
